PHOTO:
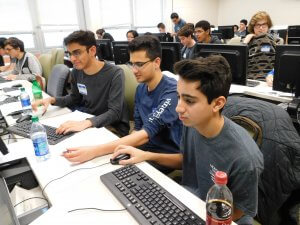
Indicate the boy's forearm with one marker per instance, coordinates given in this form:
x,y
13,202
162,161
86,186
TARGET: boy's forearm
x,y
173,161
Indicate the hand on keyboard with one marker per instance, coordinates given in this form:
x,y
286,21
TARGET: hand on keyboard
x,y
73,126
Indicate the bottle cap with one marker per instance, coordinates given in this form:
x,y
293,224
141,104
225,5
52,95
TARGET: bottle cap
x,y
35,119
22,89
220,177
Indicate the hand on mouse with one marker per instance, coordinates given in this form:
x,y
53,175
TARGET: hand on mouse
x,y
136,155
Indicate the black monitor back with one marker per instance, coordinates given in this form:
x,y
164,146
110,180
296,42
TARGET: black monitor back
x,y
170,55
236,55
287,69
121,54
227,31
104,50
294,34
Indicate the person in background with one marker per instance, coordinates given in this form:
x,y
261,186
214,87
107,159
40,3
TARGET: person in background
x,y
178,23
242,32
235,29
156,124
262,46
269,78
131,34
203,34
210,141
25,65
167,37
186,36
97,88
2,53
101,34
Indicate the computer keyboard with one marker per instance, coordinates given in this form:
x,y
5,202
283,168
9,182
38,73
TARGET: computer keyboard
x,y
147,201
252,83
9,100
23,129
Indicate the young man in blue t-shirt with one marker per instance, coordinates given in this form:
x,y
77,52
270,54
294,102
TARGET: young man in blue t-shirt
x,y
157,127
210,141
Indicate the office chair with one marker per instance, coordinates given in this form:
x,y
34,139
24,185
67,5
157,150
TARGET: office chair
x,y
280,146
57,80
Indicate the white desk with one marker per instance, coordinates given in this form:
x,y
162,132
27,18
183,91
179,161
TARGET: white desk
x,y
83,188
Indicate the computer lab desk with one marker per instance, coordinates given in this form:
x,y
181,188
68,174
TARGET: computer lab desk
x,y
83,188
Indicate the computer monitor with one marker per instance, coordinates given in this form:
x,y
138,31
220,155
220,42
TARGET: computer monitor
x,y
227,31
7,213
236,55
3,148
121,54
170,55
294,34
104,50
287,69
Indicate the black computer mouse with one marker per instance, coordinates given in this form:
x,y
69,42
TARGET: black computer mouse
x,y
15,113
17,85
115,161
23,118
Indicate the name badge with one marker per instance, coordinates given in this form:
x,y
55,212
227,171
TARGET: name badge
x,y
184,55
82,89
265,48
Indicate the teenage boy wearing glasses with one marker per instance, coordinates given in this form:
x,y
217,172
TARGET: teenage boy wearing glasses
x,y
96,88
157,127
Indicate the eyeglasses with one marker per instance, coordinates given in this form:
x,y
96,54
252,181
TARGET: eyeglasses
x,y
263,25
137,65
76,53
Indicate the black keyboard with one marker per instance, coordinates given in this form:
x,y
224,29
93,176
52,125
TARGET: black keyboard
x,y
146,200
9,100
23,129
252,83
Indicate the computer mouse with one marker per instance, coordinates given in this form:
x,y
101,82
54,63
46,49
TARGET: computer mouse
x,y
17,85
14,113
23,118
115,161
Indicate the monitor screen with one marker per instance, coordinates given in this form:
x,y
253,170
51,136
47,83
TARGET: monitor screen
x,y
170,55
236,55
121,54
287,69
104,50
3,148
226,31
7,213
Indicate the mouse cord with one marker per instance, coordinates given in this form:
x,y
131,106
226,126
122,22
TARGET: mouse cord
x,y
103,210
88,168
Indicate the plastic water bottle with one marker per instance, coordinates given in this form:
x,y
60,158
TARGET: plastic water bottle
x,y
25,101
36,90
38,136
219,208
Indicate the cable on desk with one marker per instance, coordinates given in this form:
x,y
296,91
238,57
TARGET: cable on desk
x,y
30,199
70,173
103,210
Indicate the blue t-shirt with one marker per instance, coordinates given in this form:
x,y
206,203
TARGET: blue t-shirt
x,y
179,25
155,113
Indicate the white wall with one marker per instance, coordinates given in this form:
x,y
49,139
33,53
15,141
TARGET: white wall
x,y
192,10
282,12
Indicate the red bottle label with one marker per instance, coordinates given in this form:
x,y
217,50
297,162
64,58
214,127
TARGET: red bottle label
x,y
219,212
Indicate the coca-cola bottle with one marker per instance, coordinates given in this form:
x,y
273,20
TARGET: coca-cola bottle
x,y
219,207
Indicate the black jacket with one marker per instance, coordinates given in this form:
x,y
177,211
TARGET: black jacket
x,y
281,151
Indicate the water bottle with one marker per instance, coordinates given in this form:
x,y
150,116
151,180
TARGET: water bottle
x,y
219,207
38,136
36,90
25,102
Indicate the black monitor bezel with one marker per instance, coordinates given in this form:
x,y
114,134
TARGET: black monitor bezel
x,y
177,55
281,80
106,43
116,45
219,48
222,29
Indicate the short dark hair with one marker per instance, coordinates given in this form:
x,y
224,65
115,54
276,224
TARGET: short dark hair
x,y
100,31
2,40
85,38
174,15
15,43
236,26
148,43
134,33
205,25
161,25
186,31
213,72
244,21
